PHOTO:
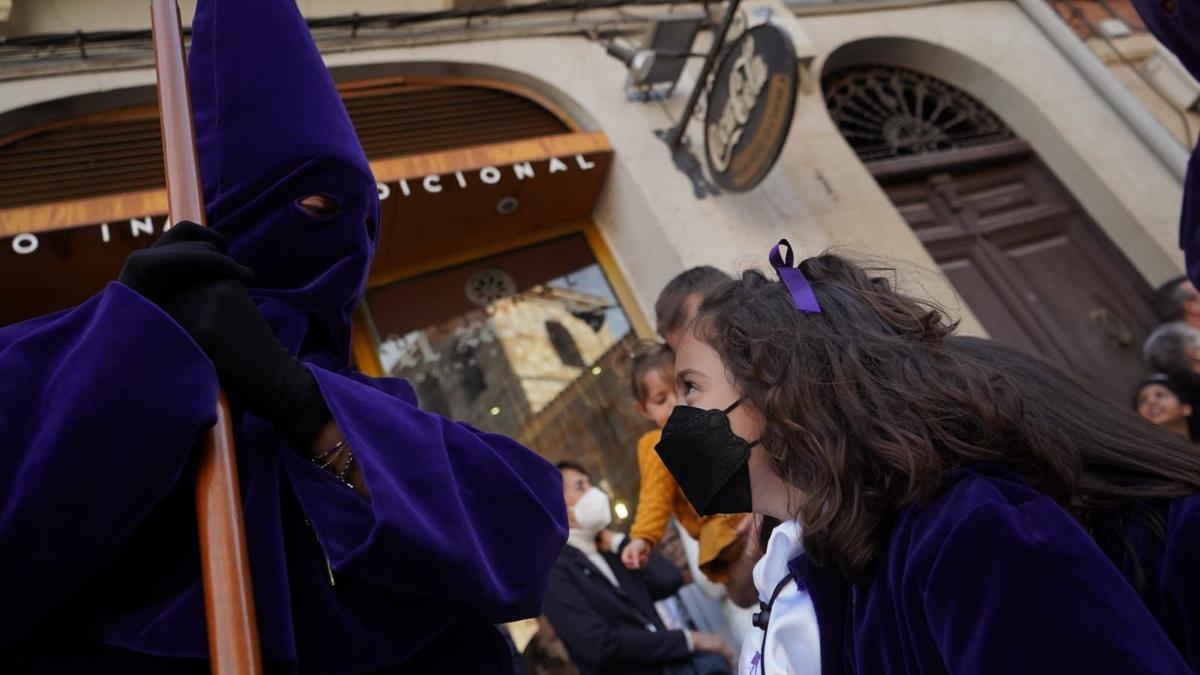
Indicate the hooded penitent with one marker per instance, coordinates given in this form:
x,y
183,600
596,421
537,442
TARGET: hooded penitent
x,y
272,130
1176,23
101,406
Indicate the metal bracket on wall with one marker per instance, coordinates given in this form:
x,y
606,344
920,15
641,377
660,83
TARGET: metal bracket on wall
x,y
809,82
675,137
687,162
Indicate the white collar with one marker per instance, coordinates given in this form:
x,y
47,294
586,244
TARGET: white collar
x,y
784,545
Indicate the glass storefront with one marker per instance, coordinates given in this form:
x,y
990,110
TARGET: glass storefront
x,y
532,344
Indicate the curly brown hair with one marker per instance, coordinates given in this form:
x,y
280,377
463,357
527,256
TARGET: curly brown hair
x,y
871,403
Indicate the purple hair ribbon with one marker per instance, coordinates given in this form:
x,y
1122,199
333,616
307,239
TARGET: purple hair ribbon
x,y
793,278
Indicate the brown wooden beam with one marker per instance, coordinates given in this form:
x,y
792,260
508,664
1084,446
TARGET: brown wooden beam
x,y
51,216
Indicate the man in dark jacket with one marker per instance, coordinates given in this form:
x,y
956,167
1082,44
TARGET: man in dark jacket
x,y
603,612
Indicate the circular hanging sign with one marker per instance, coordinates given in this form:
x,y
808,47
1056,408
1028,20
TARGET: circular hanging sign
x,y
750,107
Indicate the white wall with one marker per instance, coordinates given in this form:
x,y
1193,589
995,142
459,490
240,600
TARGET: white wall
x,y
648,213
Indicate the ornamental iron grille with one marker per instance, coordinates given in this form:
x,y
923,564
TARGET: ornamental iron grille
x,y
886,112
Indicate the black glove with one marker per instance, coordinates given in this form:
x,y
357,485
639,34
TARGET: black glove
x,y
186,254
258,374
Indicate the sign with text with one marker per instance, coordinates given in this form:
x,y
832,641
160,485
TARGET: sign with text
x,y
423,217
750,107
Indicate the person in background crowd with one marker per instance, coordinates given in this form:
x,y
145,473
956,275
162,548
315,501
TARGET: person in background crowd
x,y
1178,300
1162,400
677,303
603,612
966,507
1173,348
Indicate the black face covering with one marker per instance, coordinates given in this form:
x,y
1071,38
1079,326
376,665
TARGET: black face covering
x,y
707,459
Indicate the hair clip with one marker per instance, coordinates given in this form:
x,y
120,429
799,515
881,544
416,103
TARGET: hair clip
x,y
793,278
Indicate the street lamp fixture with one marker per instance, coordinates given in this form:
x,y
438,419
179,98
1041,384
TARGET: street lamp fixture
x,y
655,65
638,61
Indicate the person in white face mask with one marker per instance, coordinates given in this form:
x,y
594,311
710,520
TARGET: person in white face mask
x,y
604,613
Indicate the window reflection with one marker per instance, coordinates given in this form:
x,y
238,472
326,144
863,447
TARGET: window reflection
x,y
469,375
564,344
530,344
430,394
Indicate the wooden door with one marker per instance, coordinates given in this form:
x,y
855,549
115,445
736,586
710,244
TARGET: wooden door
x,y
1026,259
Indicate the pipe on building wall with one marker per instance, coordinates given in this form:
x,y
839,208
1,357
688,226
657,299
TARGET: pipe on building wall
x,y
1169,151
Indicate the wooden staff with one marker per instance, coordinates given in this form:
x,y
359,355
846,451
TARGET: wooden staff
x,y
228,595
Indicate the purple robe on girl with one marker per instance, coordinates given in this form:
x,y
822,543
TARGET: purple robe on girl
x,y
1055,603
101,407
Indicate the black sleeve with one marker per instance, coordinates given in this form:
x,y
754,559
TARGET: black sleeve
x,y
593,642
662,577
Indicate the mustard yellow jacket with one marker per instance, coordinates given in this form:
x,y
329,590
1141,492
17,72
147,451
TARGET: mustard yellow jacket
x,y
660,497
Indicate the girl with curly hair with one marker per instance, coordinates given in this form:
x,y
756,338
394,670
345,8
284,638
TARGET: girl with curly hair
x,y
954,506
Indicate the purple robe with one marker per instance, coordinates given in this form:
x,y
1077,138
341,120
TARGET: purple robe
x,y
994,577
1176,24
101,406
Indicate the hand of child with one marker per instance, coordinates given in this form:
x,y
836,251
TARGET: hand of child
x,y
636,554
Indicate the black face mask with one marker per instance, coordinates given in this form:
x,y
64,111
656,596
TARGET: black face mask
x,y
707,459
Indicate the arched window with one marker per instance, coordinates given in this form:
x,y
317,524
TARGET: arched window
x,y
886,112
564,344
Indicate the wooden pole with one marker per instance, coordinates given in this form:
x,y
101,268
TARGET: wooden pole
x,y
228,595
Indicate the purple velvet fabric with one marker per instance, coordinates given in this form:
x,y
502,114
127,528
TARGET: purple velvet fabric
x,y
1176,23
1163,567
100,407
993,577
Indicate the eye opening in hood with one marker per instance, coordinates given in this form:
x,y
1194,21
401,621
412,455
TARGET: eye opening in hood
x,y
319,206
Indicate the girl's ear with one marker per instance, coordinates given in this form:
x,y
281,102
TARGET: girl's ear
x,y
1187,410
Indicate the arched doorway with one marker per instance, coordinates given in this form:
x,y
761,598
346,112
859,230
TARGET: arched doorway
x,y
1021,251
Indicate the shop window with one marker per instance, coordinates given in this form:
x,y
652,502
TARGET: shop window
x,y
564,344
532,344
